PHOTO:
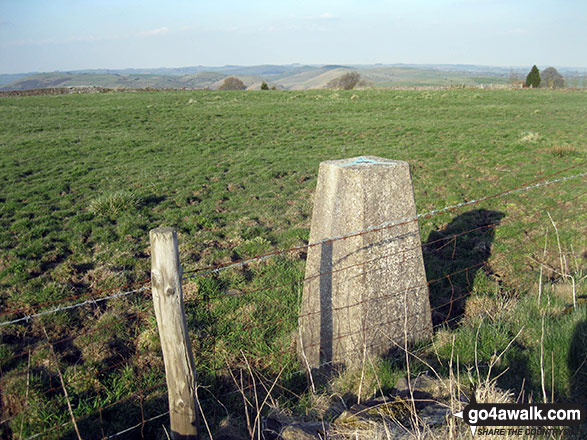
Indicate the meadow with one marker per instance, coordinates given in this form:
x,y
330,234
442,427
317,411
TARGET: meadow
x,y
83,178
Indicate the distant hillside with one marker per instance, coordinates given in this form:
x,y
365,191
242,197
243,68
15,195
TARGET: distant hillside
x,y
201,80
388,77
7,78
313,79
292,76
265,70
269,71
410,76
46,80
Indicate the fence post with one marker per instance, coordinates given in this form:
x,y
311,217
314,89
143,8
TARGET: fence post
x,y
367,293
175,342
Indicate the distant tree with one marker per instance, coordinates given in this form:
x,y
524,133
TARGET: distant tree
x,y
232,83
533,78
346,82
552,79
264,86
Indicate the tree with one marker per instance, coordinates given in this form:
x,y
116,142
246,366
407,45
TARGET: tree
x,y
552,79
346,82
264,86
232,83
533,78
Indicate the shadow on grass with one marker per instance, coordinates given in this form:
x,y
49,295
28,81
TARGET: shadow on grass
x,y
577,362
453,256
130,426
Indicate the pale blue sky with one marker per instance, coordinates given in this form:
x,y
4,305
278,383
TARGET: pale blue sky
x,y
48,35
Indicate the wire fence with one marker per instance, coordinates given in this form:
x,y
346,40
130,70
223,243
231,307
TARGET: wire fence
x,y
259,324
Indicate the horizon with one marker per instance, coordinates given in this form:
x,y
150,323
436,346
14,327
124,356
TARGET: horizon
x,y
68,35
316,65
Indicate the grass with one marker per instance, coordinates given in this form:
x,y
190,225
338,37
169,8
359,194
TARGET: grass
x,y
83,178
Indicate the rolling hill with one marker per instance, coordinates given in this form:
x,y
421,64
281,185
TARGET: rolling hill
x,y
114,80
293,76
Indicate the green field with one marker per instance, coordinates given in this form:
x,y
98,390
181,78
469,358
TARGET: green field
x,y
83,178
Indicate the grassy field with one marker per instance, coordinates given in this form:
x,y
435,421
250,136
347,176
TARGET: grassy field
x,y
83,178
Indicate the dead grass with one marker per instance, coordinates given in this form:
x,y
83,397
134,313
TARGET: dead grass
x,y
561,150
530,137
397,420
487,307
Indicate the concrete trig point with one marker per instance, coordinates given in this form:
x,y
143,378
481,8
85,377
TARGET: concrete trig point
x,y
369,290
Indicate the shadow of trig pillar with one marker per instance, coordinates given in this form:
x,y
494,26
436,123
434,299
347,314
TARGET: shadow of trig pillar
x,y
368,291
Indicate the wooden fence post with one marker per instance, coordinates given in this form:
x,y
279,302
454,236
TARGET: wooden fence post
x,y
175,343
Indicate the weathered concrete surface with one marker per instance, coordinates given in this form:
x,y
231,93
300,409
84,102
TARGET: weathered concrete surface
x,y
369,290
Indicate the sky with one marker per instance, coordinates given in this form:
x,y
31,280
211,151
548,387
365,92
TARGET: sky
x,y
51,35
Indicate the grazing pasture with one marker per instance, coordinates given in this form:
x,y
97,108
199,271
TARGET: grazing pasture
x,y
84,177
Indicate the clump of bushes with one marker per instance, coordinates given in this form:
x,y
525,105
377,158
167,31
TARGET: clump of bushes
x,y
232,83
348,81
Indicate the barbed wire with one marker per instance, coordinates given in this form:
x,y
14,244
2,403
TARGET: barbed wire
x,y
100,409
72,297
138,315
444,322
432,308
74,306
382,226
138,425
244,262
448,239
74,336
139,393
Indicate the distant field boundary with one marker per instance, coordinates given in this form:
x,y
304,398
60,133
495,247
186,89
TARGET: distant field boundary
x,y
75,90
97,89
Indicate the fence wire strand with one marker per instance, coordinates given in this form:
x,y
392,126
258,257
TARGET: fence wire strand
x,y
244,262
150,392
385,225
74,306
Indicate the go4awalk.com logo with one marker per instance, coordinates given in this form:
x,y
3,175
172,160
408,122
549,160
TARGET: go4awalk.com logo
x,y
523,418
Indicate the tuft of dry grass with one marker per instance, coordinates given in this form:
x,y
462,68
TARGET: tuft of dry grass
x,y
452,396
113,203
530,137
561,150
487,307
